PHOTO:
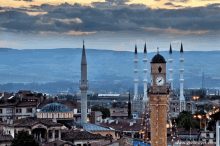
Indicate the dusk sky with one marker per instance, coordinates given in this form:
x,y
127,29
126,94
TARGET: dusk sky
x,y
110,24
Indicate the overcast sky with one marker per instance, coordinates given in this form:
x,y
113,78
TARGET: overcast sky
x,y
110,24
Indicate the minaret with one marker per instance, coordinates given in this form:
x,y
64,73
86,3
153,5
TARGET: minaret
x,y
84,86
145,73
171,70
182,98
136,74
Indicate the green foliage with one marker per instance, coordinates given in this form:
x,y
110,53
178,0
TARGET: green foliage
x,y
24,139
105,111
185,120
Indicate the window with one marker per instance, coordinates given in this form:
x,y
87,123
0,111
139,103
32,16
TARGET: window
x,y
56,133
18,110
50,134
78,110
78,144
29,110
0,110
9,111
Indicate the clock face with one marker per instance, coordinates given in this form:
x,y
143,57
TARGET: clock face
x,y
160,80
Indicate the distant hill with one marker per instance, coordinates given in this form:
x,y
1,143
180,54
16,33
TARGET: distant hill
x,y
59,69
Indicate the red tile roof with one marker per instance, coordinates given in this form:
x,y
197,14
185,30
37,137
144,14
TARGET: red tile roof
x,y
81,135
58,143
30,121
27,103
125,123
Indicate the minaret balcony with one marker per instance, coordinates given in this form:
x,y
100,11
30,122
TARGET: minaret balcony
x,y
145,60
84,87
181,80
135,70
170,70
170,60
145,70
181,71
171,80
135,60
181,60
136,80
145,80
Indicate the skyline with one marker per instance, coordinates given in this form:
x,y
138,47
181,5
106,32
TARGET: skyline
x,y
110,24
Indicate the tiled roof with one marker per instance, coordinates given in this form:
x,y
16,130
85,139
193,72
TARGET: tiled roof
x,y
81,135
30,121
6,138
58,143
125,124
25,96
93,127
27,103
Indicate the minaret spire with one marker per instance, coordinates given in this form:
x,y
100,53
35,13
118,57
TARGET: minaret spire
x,y
135,49
145,81
181,48
83,55
84,87
170,49
181,98
145,48
171,70
136,73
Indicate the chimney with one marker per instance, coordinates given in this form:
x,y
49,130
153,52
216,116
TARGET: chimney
x,y
131,124
116,121
101,120
134,121
105,120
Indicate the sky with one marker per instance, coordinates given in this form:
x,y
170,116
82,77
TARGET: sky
x,y
110,24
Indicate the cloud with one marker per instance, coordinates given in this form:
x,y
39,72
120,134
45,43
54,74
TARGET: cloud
x,y
106,16
169,3
25,0
182,1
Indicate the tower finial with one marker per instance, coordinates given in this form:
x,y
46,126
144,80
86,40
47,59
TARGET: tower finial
x,y
83,41
157,50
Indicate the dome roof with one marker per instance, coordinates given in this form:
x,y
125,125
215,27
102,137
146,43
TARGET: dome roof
x,y
158,59
54,108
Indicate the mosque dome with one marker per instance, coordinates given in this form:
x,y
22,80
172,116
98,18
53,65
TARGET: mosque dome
x,y
158,59
54,108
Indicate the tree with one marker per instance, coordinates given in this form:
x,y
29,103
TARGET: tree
x,y
24,139
185,120
105,111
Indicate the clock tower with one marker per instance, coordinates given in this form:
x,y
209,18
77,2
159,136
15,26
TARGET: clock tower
x,y
158,93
